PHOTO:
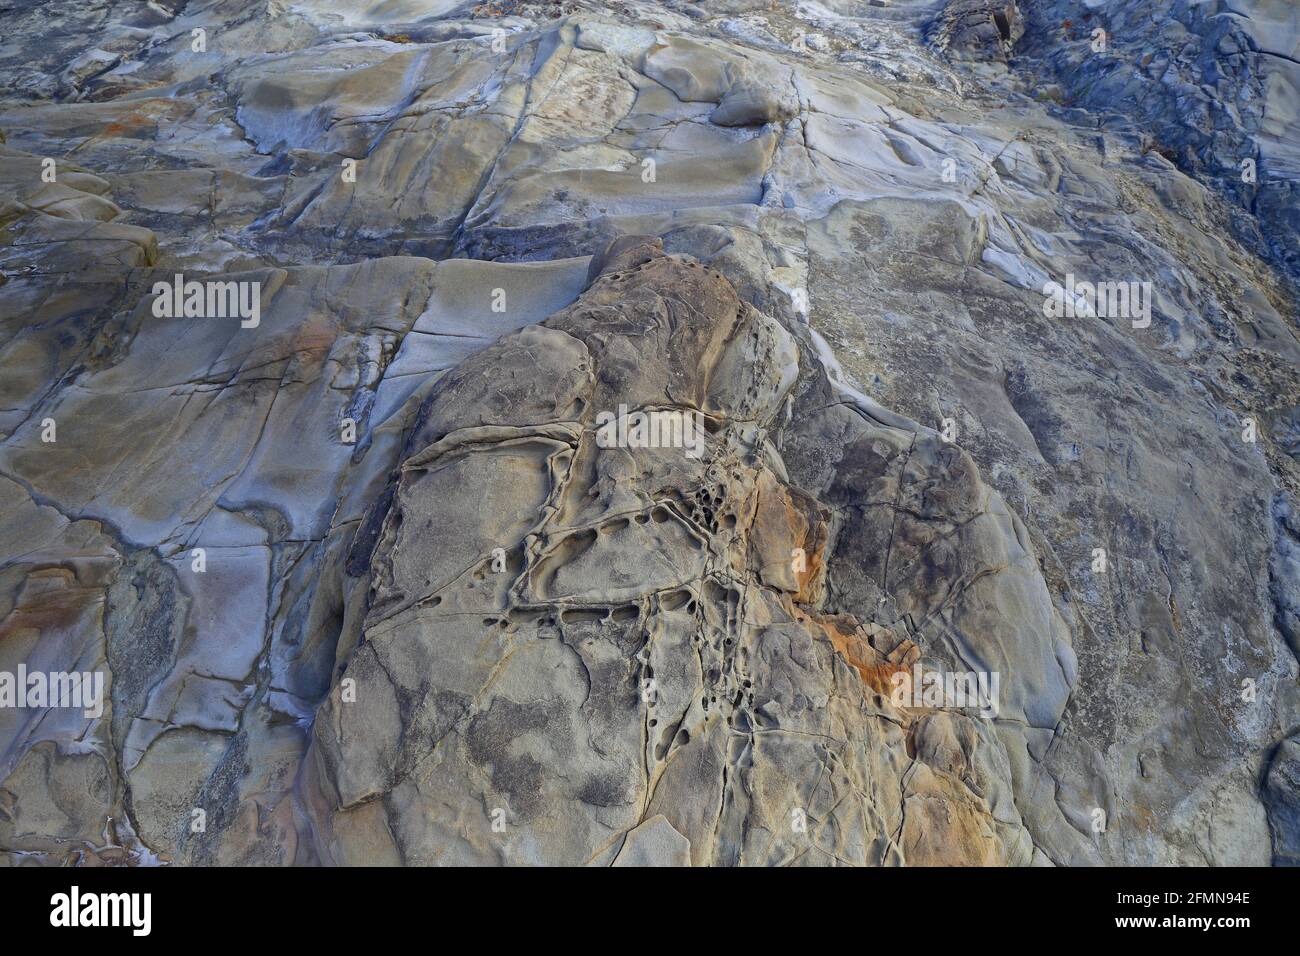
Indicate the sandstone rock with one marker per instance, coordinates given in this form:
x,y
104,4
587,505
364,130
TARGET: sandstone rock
x,y
654,843
390,575
978,29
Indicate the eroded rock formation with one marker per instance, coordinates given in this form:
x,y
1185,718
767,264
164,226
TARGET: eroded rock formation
x,y
376,575
651,651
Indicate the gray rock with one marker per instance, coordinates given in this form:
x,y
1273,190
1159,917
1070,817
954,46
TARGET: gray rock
x,y
389,576
654,843
977,29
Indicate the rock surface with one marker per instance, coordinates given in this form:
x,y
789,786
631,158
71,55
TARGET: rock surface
x,y
385,575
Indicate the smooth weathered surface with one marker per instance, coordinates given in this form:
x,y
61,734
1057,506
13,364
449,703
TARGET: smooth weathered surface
x,y
477,635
